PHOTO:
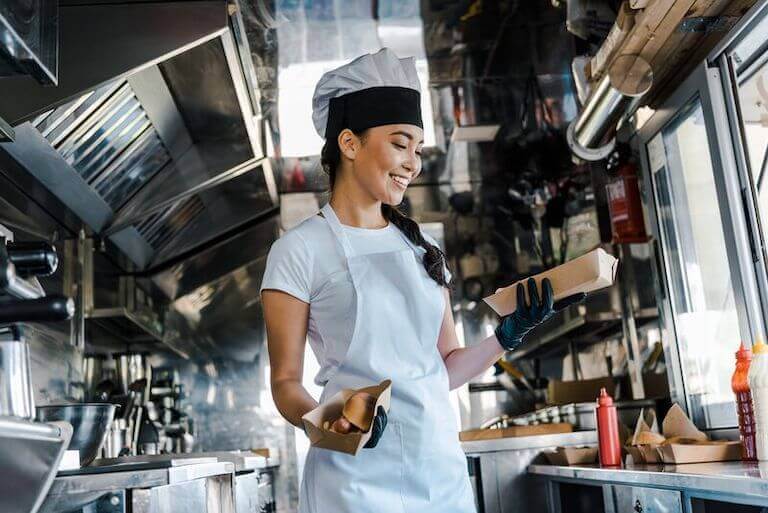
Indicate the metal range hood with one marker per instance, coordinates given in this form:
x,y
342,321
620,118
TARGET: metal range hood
x,y
148,129
151,142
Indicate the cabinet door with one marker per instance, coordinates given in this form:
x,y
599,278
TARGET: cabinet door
x,y
631,499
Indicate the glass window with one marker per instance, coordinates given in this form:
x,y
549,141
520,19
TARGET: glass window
x,y
753,98
698,273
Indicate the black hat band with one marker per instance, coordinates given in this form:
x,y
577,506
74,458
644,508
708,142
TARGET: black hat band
x,y
375,106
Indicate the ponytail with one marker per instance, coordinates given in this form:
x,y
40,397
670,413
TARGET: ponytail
x,y
434,259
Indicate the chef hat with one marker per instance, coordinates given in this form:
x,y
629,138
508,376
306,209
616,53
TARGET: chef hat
x,y
372,90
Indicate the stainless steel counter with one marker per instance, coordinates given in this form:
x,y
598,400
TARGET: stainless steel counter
x,y
82,489
530,442
498,470
732,477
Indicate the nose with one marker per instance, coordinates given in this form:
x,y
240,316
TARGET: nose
x,y
413,164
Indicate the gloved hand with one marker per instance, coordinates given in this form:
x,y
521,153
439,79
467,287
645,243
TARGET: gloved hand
x,y
377,428
515,326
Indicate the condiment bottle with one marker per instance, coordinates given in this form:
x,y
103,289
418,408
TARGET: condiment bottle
x,y
740,386
758,384
609,444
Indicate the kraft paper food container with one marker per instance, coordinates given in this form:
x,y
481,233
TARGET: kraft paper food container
x,y
564,456
697,451
677,424
594,271
331,410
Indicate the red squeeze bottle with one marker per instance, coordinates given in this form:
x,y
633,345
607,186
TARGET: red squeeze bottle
x,y
740,387
608,431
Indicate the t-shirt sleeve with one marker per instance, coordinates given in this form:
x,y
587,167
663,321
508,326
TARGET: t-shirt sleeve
x,y
289,267
446,271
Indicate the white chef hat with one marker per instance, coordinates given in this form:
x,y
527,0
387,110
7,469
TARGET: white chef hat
x,y
372,90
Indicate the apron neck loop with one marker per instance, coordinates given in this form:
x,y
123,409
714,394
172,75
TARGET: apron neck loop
x,y
333,221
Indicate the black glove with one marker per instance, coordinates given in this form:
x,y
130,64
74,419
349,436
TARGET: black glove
x,y
377,428
515,326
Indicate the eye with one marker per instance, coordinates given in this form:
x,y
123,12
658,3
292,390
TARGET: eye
x,y
398,145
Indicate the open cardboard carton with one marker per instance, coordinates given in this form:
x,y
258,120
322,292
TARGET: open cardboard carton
x,y
679,442
564,456
331,410
594,271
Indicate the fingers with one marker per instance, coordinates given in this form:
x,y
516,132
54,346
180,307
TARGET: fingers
x,y
522,305
548,293
382,414
377,428
533,293
568,301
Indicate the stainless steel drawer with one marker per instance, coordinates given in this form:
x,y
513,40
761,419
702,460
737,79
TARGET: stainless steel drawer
x,y
634,499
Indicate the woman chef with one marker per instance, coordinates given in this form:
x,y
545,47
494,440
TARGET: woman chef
x,y
369,290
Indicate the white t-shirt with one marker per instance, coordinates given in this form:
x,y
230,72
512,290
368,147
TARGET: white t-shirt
x,y
308,263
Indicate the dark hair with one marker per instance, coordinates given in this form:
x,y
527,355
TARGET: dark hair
x,y
434,258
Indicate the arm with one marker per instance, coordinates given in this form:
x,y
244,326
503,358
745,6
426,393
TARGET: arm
x,y
286,318
464,363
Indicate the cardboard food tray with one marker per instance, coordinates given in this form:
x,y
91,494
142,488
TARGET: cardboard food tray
x,y
514,431
594,271
565,456
331,410
700,452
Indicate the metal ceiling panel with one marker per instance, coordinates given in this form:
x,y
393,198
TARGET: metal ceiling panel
x,y
102,42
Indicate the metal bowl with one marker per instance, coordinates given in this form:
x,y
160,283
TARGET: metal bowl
x,y
90,423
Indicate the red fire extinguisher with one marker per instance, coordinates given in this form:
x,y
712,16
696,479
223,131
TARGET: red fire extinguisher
x,y
625,206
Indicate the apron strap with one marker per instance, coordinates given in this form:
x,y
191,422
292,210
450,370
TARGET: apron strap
x,y
333,221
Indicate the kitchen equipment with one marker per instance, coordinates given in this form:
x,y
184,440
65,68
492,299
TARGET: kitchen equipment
x,y
33,258
608,431
90,422
93,366
45,309
16,393
131,366
115,440
30,454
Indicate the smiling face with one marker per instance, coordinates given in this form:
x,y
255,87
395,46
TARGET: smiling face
x,y
385,160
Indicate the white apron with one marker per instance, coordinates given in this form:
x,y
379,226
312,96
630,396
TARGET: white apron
x,y
418,465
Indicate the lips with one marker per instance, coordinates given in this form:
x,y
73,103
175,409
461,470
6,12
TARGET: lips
x,y
400,181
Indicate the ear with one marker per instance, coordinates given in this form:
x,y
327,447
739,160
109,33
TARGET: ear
x,y
349,143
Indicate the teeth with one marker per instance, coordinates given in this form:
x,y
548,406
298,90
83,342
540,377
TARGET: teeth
x,y
400,180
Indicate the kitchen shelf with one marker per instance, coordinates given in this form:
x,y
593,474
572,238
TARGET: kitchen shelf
x,y
578,329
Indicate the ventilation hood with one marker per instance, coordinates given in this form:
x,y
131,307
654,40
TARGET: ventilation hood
x,y
152,138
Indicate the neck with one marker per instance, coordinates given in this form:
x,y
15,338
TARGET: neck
x,y
355,208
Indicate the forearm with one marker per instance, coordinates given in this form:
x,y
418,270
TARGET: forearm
x,y
292,400
464,363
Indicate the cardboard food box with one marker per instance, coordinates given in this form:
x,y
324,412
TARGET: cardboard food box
x,y
680,441
594,271
331,410
514,431
572,456
581,391
698,451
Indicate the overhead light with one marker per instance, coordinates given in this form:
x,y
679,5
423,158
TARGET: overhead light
x,y
475,133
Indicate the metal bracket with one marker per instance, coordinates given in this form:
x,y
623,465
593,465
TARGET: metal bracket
x,y
707,24
7,134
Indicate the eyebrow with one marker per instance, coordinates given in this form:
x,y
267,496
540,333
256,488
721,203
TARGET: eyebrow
x,y
405,134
